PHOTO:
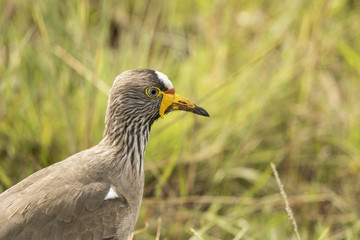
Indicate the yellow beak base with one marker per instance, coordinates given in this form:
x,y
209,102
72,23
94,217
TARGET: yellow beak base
x,y
176,102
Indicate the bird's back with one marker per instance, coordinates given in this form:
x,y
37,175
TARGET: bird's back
x,y
52,205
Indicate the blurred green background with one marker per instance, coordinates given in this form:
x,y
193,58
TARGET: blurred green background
x,y
281,80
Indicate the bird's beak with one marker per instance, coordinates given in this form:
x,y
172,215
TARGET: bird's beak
x,y
172,101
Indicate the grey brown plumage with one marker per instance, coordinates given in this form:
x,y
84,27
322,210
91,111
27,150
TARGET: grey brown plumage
x,y
71,199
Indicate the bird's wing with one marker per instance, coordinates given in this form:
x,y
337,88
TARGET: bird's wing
x,y
45,206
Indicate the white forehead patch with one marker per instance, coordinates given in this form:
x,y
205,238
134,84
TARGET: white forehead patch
x,y
164,79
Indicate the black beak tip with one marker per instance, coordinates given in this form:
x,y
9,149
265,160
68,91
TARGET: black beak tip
x,y
201,111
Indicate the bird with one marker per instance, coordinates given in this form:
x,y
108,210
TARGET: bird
x,y
96,193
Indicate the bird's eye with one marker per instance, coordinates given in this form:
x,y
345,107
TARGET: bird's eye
x,y
152,92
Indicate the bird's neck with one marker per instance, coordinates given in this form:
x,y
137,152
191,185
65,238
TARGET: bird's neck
x,y
127,141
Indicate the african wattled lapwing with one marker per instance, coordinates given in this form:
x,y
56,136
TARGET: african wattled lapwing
x,y
96,193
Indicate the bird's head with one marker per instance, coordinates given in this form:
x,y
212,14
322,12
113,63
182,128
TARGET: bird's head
x,y
146,94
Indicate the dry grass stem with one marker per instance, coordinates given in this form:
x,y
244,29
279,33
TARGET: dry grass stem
x,y
158,229
80,68
287,205
131,237
228,200
196,234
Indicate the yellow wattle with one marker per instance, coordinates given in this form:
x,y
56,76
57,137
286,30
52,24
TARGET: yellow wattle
x,y
166,101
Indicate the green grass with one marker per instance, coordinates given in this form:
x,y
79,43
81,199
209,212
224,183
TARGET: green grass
x,y
280,80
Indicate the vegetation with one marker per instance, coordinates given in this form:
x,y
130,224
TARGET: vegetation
x,y
280,79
